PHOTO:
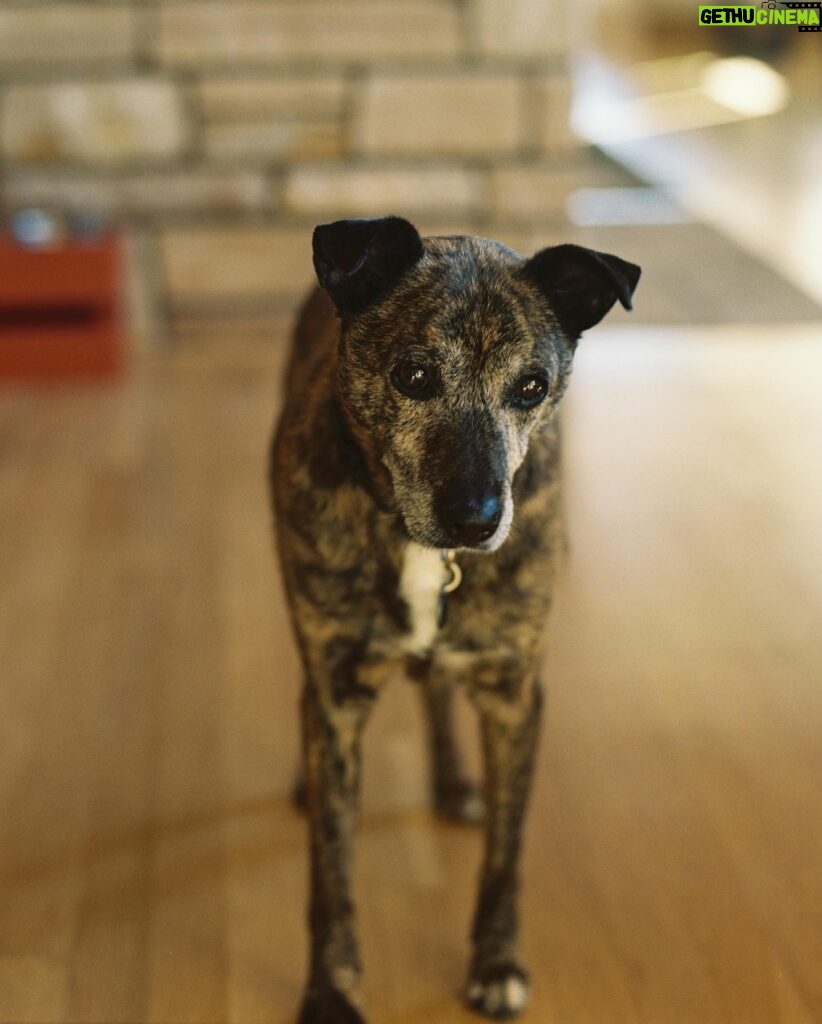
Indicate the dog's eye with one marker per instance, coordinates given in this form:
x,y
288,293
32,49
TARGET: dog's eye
x,y
413,379
530,391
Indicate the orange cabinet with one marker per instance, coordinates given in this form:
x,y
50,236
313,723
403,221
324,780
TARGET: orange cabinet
x,y
60,309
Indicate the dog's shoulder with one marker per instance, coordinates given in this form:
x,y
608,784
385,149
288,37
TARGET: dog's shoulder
x,y
313,343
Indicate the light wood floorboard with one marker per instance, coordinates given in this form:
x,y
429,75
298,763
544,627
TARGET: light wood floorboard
x,y
152,868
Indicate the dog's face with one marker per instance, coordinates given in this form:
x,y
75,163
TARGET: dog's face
x,y
453,352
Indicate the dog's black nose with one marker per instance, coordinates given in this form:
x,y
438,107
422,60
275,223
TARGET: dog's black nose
x,y
467,518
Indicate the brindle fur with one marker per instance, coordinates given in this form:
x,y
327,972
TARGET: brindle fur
x,y
356,469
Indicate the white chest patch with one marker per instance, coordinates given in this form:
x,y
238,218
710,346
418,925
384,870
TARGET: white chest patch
x,y
421,580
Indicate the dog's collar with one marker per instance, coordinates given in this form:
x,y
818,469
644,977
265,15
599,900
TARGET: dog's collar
x,y
449,560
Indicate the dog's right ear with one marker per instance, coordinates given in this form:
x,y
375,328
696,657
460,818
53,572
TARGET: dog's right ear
x,y
358,260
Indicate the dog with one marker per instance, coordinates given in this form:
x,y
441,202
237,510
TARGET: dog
x,y
415,473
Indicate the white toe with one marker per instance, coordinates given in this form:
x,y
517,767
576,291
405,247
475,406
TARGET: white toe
x,y
516,995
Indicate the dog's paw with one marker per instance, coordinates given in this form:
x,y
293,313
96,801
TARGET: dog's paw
x,y
328,1006
460,801
499,990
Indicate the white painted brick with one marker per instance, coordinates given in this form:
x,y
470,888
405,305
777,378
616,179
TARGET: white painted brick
x,y
520,28
93,122
180,191
365,191
249,97
467,114
553,97
236,263
528,193
57,33
234,31
282,139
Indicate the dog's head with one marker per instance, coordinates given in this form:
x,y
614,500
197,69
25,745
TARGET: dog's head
x,y
452,352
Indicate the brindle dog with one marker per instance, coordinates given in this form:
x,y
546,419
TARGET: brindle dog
x,y
419,423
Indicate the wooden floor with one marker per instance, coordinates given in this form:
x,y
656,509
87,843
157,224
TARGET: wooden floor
x,y
152,868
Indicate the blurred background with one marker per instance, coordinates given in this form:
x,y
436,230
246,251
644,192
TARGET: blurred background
x,y
213,136
162,164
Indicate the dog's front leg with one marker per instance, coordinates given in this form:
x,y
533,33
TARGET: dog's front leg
x,y
455,797
333,719
510,717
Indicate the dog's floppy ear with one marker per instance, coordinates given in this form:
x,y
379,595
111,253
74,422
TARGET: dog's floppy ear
x,y
357,260
581,284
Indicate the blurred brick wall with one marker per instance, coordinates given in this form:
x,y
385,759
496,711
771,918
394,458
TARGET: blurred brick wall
x,y
222,130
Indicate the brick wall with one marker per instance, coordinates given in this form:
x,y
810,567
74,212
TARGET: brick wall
x,y
222,130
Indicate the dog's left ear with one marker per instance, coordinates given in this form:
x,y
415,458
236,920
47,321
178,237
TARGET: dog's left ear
x,y
357,260
581,284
